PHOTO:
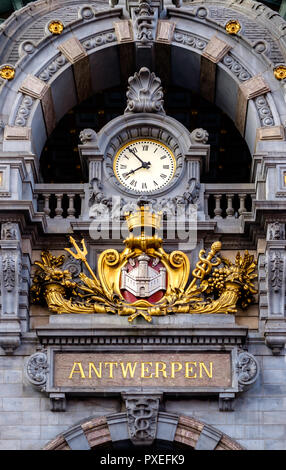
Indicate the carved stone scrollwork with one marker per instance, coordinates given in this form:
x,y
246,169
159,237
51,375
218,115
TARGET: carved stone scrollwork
x,y
247,369
87,135
145,93
276,268
37,369
8,231
199,136
144,22
142,416
276,231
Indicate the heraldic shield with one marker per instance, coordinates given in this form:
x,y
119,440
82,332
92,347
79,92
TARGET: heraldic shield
x,y
145,280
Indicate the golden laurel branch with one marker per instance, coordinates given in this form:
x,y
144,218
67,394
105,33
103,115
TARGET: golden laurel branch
x,y
217,284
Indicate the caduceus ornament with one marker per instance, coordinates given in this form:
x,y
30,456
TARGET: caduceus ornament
x,y
145,280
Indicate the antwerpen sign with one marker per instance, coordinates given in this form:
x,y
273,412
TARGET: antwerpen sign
x,y
112,370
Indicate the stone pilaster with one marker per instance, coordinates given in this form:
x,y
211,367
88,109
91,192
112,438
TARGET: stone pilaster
x,y
275,326
11,266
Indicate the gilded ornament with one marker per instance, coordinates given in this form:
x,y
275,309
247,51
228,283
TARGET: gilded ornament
x,y
7,72
232,27
56,27
280,72
144,280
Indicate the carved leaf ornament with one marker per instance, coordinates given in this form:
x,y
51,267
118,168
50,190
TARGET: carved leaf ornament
x,y
145,93
217,285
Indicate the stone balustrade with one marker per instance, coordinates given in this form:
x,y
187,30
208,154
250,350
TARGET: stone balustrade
x,y
228,201
60,201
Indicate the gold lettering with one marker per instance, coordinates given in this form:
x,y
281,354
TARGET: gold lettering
x,y
174,369
209,373
80,371
189,369
111,364
97,372
128,369
160,367
143,370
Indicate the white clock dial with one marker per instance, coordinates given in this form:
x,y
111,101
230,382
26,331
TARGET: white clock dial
x,y
144,165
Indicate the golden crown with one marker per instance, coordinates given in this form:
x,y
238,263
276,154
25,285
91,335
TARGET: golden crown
x,y
143,217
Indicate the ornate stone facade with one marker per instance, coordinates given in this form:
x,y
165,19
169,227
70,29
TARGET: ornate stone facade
x,y
142,47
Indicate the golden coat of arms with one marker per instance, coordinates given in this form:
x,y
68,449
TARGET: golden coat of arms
x,y
145,280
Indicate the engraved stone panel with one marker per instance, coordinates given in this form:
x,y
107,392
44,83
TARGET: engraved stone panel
x,y
270,133
17,133
87,370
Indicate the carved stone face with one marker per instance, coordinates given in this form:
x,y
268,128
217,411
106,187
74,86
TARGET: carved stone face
x,y
144,165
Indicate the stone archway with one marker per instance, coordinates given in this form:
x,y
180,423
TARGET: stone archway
x,y
188,431
97,49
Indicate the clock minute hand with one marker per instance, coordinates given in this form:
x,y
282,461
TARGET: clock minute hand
x,y
144,164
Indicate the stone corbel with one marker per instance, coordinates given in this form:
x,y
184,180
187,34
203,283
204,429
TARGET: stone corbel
x,y
142,416
10,277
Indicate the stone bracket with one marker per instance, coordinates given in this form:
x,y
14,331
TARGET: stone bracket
x,y
57,401
142,416
226,401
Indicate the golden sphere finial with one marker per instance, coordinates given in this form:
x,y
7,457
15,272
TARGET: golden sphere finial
x,y
56,27
7,72
232,27
280,72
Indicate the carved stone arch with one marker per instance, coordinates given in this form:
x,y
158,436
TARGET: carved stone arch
x,y
54,73
95,432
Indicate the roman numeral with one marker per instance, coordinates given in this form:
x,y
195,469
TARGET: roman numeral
x,y
166,167
162,158
144,186
126,176
133,183
155,150
123,167
155,184
163,176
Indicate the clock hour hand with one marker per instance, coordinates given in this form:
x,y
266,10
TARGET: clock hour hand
x,y
133,171
144,164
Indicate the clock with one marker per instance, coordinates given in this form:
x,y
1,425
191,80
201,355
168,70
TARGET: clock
x,y
144,165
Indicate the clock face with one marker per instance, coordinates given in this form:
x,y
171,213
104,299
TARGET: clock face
x,y
144,165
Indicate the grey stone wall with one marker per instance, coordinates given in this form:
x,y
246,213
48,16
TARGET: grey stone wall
x,y
258,422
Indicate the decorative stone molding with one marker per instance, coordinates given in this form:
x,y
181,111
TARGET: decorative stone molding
x,y
10,280
142,417
199,136
73,50
276,231
186,431
145,93
37,369
247,369
57,402
208,439
216,49
34,87
254,87
123,31
165,31
270,133
17,133
76,438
